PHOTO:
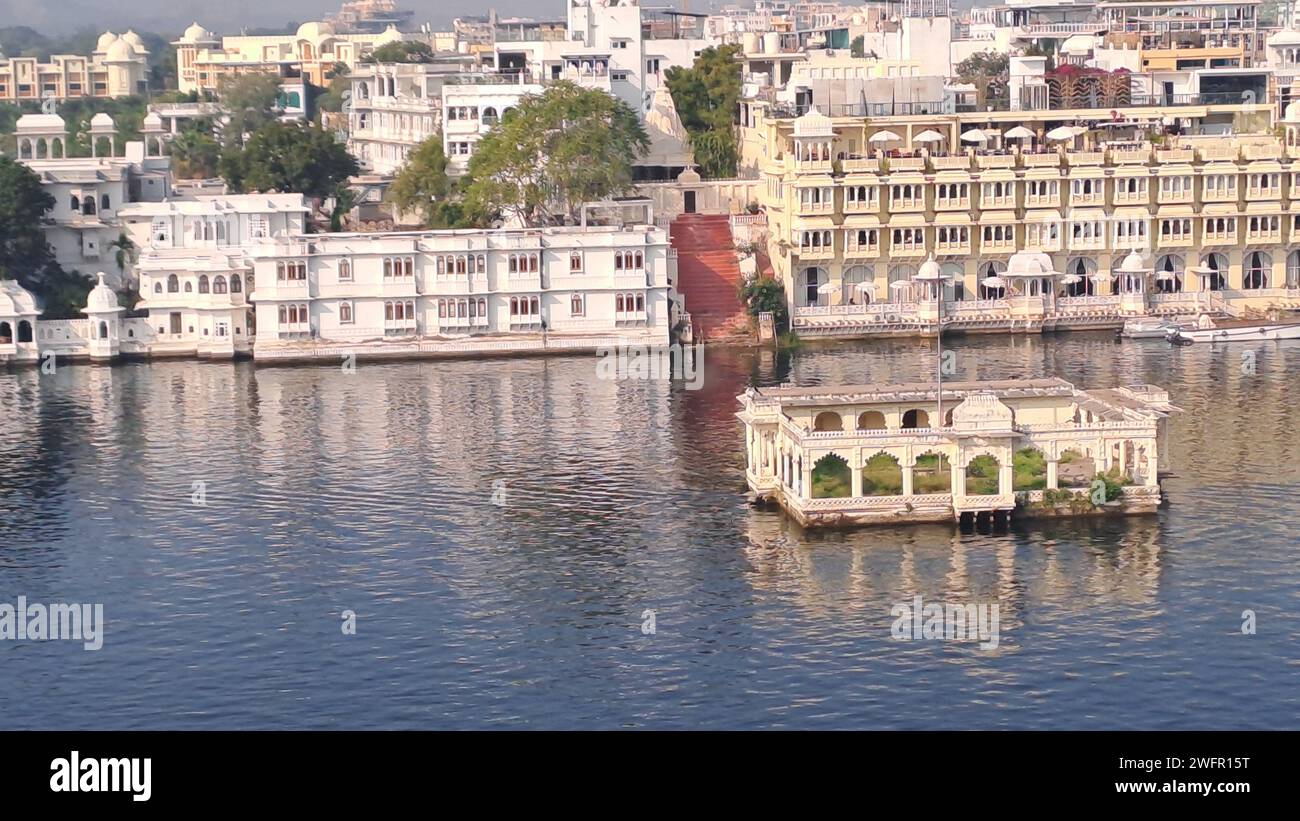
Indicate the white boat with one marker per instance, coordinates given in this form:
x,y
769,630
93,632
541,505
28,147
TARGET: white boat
x,y
1147,327
1236,332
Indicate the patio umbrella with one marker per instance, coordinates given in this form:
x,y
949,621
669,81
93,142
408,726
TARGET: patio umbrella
x,y
1060,133
974,136
885,136
865,288
992,282
1020,132
827,288
1071,279
928,136
1165,276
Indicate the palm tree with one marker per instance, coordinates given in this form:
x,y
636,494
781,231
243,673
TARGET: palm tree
x,y
125,248
196,154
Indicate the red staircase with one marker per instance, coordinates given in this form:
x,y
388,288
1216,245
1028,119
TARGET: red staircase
x,y
708,275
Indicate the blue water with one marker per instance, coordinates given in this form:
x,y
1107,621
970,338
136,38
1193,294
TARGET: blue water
x,y
374,492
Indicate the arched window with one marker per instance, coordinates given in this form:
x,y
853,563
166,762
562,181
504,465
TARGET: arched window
x,y
1214,269
993,268
219,284
345,312
284,315
157,287
916,418
1255,275
1078,275
575,305
871,420
831,478
1293,269
173,284
388,266
75,202
810,281
828,420
235,284
189,287
850,292
105,204
1169,274
203,283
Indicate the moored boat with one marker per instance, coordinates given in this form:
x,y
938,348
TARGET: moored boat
x,y
1236,331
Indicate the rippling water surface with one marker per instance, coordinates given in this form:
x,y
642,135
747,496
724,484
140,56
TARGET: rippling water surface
x,y
373,492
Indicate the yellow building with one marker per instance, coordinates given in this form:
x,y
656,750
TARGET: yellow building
x,y
856,206
118,68
311,53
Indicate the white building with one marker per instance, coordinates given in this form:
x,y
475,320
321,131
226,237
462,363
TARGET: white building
x,y
89,191
397,106
194,275
18,313
471,106
613,45
475,291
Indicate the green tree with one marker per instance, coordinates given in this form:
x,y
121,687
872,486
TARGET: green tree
x,y
24,253
763,294
404,51
331,97
124,250
858,47
554,151
195,153
423,187
706,96
250,103
989,72
289,157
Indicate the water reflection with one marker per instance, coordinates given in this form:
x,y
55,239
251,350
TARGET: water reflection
x,y
373,491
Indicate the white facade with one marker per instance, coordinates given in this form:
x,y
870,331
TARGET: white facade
x,y
461,291
471,107
613,46
394,108
89,191
194,277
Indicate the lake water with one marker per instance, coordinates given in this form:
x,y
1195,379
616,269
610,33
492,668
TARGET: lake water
x,y
374,492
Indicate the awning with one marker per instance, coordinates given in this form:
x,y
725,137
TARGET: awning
x,y
1043,173
1177,170
952,218
1001,175
1264,167
1132,212
813,223
1220,209
1042,215
1271,207
995,217
1176,211
819,181
855,221
952,176
907,220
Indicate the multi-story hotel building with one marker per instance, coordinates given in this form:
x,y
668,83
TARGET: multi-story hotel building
x,y
193,274
118,68
471,105
310,54
582,287
395,107
861,215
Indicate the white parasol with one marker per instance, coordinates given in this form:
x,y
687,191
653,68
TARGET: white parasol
x,y
885,136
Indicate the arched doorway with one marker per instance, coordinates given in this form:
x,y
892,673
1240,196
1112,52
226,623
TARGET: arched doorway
x,y
871,420
932,474
828,421
1254,275
24,331
992,268
831,478
1028,470
1169,274
900,275
850,293
916,418
1085,269
810,279
882,476
1215,267
982,476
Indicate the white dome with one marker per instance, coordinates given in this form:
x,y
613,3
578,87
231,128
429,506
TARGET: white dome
x,y
135,41
390,35
1132,264
120,52
196,34
930,270
152,120
1292,112
101,298
1285,37
813,124
314,31
102,122
15,300
106,39
1029,264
